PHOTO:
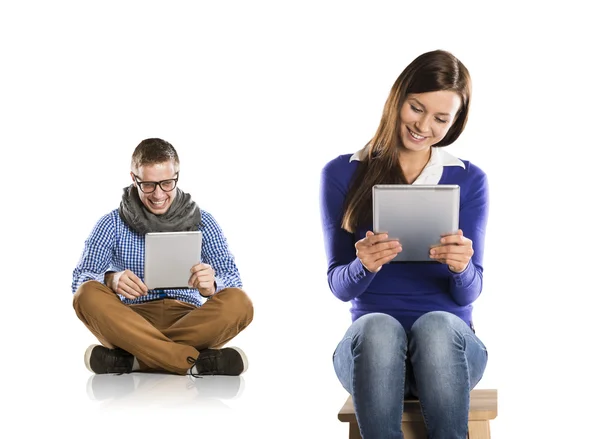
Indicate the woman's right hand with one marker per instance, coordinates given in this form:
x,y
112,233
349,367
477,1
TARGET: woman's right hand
x,y
376,250
126,283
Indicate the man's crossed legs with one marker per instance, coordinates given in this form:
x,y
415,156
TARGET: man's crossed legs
x,y
163,335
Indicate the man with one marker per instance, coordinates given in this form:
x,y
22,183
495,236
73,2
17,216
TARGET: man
x,y
177,331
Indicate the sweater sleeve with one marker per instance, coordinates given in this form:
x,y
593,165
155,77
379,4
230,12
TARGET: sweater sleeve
x,y
466,287
346,275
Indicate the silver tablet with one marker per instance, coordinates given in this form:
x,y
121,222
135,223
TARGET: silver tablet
x,y
416,215
169,256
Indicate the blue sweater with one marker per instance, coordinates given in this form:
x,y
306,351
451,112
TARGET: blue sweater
x,y
404,291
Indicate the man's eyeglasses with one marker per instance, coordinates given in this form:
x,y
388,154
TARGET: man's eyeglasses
x,y
148,187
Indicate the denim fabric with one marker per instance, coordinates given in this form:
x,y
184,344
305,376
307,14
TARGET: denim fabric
x,y
440,360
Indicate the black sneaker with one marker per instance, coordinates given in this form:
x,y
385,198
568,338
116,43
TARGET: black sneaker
x,y
99,359
226,361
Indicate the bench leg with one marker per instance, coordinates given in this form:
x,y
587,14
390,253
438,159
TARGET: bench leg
x,y
479,430
354,431
411,430
414,430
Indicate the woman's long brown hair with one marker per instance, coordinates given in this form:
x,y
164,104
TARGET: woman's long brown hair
x,y
431,71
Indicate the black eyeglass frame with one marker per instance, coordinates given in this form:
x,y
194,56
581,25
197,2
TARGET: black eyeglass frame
x,y
155,183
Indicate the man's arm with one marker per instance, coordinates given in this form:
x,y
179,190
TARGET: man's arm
x,y
97,253
215,252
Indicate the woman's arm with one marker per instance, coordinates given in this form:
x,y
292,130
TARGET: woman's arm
x,y
466,286
346,275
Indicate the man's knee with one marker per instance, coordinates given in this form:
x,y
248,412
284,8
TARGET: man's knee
x,y
86,293
238,304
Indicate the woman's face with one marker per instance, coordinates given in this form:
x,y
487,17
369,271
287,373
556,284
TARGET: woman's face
x,y
425,118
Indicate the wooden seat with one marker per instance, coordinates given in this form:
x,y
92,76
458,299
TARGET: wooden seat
x,y
483,408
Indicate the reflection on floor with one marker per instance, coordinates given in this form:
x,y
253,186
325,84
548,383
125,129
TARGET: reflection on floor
x,y
145,390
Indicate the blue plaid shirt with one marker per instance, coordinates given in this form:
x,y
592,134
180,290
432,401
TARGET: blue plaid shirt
x,y
113,246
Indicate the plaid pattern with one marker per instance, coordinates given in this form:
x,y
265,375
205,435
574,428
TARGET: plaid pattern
x,y
113,246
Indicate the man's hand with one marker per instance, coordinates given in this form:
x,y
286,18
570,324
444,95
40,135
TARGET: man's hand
x,y
375,250
126,283
454,250
203,279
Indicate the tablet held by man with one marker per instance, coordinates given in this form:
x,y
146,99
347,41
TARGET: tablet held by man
x,y
169,256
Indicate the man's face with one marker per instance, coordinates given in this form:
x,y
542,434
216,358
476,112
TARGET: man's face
x,y
156,197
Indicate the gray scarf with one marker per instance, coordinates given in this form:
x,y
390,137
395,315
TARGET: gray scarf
x,y
183,214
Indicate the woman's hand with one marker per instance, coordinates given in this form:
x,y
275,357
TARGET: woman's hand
x,y
454,250
376,250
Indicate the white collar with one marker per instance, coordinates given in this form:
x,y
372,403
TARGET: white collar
x,y
432,173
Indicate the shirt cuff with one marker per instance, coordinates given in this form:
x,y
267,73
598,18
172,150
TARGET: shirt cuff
x,y
91,276
220,285
358,272
465,277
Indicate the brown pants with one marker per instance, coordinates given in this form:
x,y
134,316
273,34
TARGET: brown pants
x,y
162,334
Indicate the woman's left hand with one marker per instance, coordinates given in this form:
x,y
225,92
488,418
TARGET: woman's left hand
x,y
454,250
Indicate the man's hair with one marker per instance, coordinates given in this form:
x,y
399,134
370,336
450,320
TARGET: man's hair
x,y
153,151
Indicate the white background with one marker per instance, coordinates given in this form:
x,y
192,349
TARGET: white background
x,y
256,97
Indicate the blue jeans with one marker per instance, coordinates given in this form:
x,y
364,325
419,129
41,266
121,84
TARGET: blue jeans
x,y
439,361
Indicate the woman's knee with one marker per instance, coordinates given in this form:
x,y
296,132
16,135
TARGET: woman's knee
x,y
379,329
436,323
437,337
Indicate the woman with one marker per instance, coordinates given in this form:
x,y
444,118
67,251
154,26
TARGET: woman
x,y
411,332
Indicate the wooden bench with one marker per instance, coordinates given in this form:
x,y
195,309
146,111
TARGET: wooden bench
x,y
483,408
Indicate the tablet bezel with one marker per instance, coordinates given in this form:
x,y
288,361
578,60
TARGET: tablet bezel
x,y
432,210
168,258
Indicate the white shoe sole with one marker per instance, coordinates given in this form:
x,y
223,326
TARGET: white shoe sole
x,y
87,357
244,358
